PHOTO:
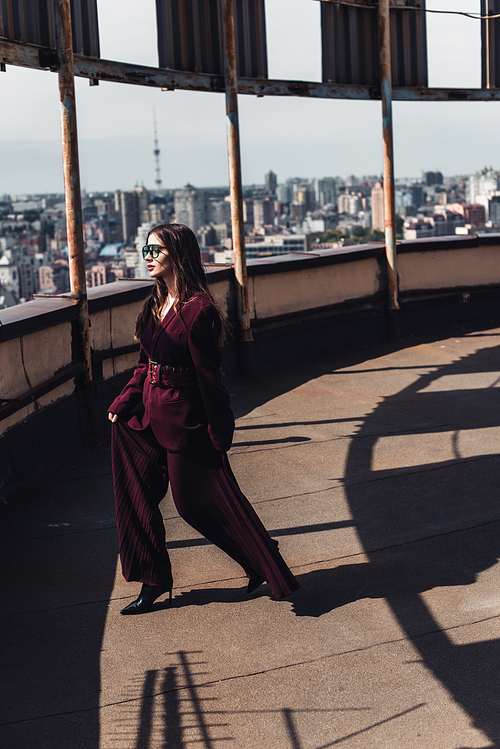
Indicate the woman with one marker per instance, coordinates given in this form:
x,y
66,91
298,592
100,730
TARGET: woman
x,y
183,434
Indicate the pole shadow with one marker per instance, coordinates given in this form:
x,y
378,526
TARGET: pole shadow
x,y
451,506
174,713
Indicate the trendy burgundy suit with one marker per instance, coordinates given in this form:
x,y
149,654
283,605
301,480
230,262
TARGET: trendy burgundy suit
x,y
182,439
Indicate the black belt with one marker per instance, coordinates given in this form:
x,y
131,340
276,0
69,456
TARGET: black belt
x,y
164,376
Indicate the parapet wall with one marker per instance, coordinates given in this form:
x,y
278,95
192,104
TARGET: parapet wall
x,y
303,304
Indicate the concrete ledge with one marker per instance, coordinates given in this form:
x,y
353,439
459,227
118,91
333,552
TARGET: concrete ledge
x,y
36,315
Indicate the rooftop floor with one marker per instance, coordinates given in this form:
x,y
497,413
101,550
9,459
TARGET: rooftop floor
x,y
379,474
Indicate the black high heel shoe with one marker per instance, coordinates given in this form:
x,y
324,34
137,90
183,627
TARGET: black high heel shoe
x,y
147,596
254,583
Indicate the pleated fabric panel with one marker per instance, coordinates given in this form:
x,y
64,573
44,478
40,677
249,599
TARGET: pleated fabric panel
x,y
208,497
140,485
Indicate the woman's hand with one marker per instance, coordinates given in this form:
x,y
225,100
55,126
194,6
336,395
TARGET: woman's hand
x,y
112,417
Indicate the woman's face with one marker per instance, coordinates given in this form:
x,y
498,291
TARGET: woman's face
x,y
160,267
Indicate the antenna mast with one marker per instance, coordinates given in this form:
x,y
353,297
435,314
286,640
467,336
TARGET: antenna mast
x,y
156,154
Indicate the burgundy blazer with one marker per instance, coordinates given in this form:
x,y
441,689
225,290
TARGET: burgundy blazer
x,y
180,418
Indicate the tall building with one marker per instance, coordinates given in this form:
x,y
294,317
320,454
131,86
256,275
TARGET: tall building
x,y
472,188
263,212
156,213
141,267
404,199
482,184
343,203
107,206
298,210
433,178
271,182
189,206
350,203
127,204
142,199
248,213
378,214
495,210
324,191
28,265
218,211
417,192
284,194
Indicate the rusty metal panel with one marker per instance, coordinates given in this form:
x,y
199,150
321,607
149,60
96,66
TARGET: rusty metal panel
x,y
85,27
250,33
350,44
490,44
409,45
33,22
28,22
190,36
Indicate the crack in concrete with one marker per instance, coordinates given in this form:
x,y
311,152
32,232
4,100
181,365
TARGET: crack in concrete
x,y
252,674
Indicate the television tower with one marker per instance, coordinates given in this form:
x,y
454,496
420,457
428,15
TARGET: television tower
x,y
156,152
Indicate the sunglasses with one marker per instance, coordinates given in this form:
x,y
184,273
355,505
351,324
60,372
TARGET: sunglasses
x,y
153,250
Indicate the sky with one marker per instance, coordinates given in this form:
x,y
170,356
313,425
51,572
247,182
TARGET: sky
x,y
291,136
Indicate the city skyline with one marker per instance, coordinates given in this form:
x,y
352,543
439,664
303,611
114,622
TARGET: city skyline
x,y
288,135
296,215
151,188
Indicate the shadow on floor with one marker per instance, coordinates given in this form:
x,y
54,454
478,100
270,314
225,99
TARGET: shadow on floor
x,y
176,710
52,639
57,569
428,500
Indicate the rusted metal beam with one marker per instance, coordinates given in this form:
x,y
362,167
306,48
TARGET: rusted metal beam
x,y
73,202
445,94
13,53
236,188
384,29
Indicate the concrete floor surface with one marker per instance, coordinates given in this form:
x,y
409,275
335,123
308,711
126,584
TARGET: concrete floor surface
x,y
378,472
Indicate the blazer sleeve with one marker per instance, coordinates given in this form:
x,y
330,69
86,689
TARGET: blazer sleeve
x,y
131,394
204,349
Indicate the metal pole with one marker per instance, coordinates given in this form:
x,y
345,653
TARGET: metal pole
x,y
384,30
489,46
247,361
73,201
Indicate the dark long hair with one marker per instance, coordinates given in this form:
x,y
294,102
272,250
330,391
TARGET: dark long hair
x,y
189,273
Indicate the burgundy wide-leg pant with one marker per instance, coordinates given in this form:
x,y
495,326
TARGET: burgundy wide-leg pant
x,y
206,495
